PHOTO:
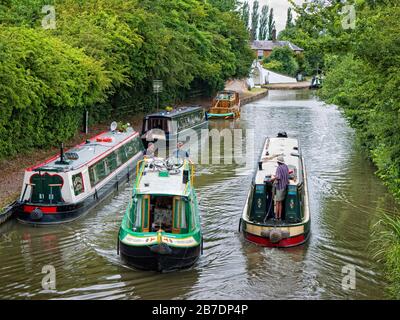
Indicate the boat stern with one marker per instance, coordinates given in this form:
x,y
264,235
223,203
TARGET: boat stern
x,y
280,236
158,251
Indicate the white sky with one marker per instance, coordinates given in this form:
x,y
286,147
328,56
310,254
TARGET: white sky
x,y
280,10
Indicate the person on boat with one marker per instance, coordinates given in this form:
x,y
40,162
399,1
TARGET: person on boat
x,y
281,181
180,153
150,151
162,215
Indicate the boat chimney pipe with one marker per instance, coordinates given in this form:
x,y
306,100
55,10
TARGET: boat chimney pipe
x,y
62,153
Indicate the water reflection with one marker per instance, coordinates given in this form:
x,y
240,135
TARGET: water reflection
x,y
346,199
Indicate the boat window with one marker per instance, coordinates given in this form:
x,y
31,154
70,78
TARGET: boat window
x,y
77,183
158,123
129,150
161,213
112,161
104,167
182,213
146,213
177,217
137,218
97,172
192,215
122,155
118,159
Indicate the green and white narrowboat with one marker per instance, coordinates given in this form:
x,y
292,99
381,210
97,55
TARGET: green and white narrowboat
x,y
166,128
258,222
161,227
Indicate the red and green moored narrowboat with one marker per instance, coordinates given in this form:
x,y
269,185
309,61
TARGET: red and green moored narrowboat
x,y
161,227
257,222
64,187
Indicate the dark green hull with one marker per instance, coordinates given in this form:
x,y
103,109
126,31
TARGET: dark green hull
x,y
158,258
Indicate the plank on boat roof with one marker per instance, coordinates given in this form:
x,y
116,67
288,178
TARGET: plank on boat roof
x,y
87,151
276,147
171,185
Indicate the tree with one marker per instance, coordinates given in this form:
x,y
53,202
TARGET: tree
x,y
271,24
282,60
224,5
263,31
289,19
103,56
245,13
254,20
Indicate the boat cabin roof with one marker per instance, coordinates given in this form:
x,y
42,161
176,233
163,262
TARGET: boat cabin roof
x,y
158,182
226,95
274,147
85,152
174,113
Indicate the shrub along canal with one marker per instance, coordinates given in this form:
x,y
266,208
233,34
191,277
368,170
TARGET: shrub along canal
x,y
346,199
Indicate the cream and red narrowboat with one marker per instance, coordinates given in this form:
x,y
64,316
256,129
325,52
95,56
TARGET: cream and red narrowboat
x,y
64,187
258,222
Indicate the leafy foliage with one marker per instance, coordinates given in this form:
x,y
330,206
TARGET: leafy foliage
x,y
282,60
103,56
271,24
387,249
263,30
45,85
255,15
362,76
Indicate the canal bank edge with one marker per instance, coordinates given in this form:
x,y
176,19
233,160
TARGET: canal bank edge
x,y
6,213
247,98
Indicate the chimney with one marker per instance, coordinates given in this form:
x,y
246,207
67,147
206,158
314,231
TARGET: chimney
x,y
274,35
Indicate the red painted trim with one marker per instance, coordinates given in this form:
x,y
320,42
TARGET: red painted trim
x,y
103,155
44,209
284,243
57,155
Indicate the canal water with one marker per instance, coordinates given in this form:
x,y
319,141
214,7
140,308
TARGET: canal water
x,y
346,200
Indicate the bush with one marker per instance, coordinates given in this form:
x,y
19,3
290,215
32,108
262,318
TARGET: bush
x,y
282,60
103,56
387,250
44,87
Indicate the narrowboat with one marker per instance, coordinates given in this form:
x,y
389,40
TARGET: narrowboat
x,y
171,126
258,222
64,187
226,105
161,230
316,82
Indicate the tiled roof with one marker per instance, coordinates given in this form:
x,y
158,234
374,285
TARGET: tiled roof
x,y
269,45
